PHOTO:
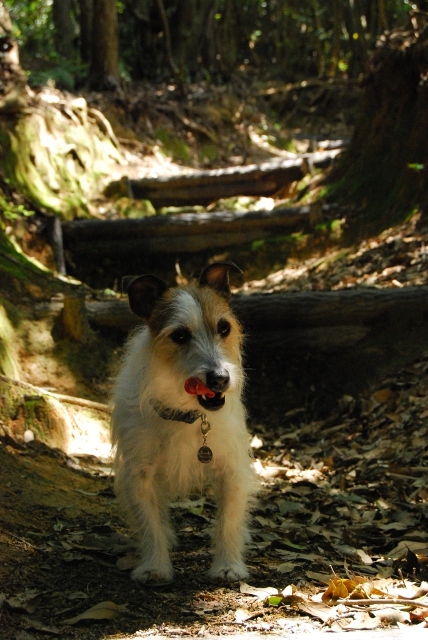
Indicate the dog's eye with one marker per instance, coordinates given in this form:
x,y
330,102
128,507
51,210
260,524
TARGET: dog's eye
x,y
181,336
223,328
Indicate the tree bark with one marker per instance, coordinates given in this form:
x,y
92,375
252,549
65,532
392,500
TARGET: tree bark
x,y
86,16
63,27
307,350
203,187
191,38
104,69
285,313
384,171
14,92
183,233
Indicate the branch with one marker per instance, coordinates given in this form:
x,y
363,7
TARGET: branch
x,y
82,402
383,601
164,18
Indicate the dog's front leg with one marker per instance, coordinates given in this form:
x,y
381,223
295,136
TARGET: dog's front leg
x,y
156,536
230,534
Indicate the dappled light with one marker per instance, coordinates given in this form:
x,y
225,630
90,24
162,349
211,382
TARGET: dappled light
x,y
280,150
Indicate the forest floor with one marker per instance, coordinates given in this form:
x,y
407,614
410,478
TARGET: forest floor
x,y
339,535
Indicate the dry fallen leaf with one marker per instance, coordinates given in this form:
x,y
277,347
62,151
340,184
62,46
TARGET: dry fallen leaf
x,y
241,615
324,578
392,615
317,610
402,548
37,625
261,593
286,567
127,562
101,611
418,615
363,620
337,589
382,396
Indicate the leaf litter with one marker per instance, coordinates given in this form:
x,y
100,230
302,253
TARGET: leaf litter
x,y
339,536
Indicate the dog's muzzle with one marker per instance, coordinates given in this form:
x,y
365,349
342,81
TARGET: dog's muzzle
x,y
218,382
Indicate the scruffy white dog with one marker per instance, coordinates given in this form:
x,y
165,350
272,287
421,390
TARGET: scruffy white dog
x,y
178,421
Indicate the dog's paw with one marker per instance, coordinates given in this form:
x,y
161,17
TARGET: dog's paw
x,y
145,574
229,572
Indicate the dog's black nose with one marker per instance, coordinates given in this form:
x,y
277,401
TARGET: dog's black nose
x,y
218,380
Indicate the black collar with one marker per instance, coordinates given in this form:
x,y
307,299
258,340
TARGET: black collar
x,y
189,417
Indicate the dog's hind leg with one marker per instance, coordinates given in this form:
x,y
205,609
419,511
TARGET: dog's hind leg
x,y
148,511
230,535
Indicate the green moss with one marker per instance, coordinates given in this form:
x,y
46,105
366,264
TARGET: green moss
x,y
8,363
209,152
20,404
55,160
173,145
139,209
22,275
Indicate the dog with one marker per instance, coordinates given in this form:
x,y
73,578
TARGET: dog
x,y
178,421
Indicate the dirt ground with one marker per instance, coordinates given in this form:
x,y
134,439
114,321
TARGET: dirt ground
x,y
343,513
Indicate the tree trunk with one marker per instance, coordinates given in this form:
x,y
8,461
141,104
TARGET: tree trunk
x,y
86,13
384,171
14,92
63,28
104,70
190,37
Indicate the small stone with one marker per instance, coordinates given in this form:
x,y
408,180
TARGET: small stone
x,y
28,436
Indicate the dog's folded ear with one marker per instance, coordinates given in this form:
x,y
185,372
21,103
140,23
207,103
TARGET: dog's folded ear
x,y
143,293
216,276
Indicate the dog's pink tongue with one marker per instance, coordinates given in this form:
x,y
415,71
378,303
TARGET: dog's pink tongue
x,y
197,388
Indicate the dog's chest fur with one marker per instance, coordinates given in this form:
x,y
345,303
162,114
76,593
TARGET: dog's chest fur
x,y
154,371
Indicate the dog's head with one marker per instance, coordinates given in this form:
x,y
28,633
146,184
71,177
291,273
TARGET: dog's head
x,y
196,339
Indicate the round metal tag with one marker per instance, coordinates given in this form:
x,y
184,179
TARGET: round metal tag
x,y
205,454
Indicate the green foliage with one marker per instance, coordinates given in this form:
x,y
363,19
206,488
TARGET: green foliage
x,y
34,32
64,75
288,37
33,28
10,211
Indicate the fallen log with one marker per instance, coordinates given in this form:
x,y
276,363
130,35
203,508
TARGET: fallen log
x,y
203,187
289,312
310,349
185,232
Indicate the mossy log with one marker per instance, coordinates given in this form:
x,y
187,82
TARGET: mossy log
x,y
308,349
185,232
203,187
287,312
